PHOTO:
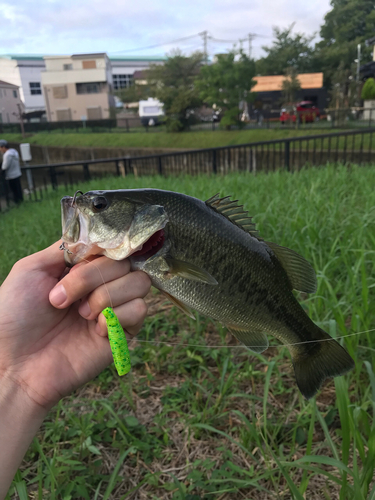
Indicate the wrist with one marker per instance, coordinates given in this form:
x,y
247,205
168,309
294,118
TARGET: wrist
x,y
20,419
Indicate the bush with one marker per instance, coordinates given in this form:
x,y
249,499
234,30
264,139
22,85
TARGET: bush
x,y
368,90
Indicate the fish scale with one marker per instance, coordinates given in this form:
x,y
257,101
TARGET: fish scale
x,y
209,257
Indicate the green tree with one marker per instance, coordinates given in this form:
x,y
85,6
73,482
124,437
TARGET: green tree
x,y
286,51
226,83
290,86
348,23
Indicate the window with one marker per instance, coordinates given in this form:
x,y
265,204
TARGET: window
x,y
88,64
60,92
122,81
35,88
15,93
1,93
89,88
63,115
94,113
67,67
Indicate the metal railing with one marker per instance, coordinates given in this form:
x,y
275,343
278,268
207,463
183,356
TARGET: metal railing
x,y
290,154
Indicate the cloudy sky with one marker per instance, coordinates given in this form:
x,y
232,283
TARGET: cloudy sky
x,y
125,26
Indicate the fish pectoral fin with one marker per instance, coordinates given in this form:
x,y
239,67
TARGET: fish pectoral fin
x,y
255,341
300,272
189,271
185,309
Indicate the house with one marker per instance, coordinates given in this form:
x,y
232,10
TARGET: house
x,y
24,71
10,103
78,87
269,95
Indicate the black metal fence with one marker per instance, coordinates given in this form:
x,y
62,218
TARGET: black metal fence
x,y
342,118
290,154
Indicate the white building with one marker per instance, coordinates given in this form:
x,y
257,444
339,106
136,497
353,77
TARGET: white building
x,y
124,67
24,71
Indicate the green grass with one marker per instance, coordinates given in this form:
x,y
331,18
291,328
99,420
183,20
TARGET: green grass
x,y
195,421
186,140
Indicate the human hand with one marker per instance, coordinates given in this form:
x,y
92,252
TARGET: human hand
x,y
50,341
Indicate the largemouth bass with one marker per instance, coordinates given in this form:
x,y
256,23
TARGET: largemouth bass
x,y
209,257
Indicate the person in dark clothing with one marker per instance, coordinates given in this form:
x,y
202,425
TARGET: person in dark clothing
x,y
11,167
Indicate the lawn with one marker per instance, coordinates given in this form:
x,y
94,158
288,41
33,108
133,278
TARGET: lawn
x,y
200,417
186,140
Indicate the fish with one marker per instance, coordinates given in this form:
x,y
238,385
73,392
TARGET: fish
x,y
208,256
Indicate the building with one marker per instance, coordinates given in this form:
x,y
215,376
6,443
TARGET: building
x,y
24,71
10,103
78,87
269,95
124,67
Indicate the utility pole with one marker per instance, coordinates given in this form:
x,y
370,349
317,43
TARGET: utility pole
x,y
358,60
21,119
251,37
204,35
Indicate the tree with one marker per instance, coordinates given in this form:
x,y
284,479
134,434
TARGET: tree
x,y
290,86
226,83
173,84
287,51
350,22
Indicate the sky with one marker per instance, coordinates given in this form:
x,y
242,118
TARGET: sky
x,y
123,27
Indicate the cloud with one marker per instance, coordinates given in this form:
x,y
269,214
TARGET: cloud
x,y
73,26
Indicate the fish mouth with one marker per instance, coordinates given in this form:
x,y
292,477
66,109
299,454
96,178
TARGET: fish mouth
x,y
151,246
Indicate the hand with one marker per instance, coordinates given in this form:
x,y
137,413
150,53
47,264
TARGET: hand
x,y
50,339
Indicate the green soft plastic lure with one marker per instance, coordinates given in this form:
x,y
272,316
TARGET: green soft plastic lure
x,y
117,340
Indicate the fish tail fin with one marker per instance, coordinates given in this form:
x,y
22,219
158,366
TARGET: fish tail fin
x,y
313,362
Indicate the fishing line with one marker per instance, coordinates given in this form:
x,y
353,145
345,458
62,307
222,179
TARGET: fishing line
x,y
223,346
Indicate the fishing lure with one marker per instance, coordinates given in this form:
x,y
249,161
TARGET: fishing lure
x,y
117,340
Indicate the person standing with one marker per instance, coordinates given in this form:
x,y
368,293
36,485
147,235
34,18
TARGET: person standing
x,y
12,169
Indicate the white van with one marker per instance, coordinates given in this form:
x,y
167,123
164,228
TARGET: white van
x,y
150,112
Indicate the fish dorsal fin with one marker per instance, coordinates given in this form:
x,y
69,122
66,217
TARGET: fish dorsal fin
x,y
300,272
234,213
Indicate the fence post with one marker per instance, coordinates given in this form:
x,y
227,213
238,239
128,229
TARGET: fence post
x,y
160,166
53,176
287,155
214,165
369,122
127,124
117,168
86,172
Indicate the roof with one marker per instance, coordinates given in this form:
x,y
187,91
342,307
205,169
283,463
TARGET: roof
x,y
7,84
272,83
24,57
140,75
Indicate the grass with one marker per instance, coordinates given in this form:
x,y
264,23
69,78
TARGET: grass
x,y
194,421
186,140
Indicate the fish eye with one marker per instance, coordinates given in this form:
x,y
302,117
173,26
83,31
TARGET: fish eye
x,y
99,203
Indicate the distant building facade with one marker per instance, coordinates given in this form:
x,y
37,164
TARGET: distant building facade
x,y
124,68
10,103
78,87
24,71
269,96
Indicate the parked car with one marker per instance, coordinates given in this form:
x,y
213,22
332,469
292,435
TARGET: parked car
x,y
304,112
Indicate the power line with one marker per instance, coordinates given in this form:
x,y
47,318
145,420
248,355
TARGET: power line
x,y
157,44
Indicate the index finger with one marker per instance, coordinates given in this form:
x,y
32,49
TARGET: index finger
x,y
85,277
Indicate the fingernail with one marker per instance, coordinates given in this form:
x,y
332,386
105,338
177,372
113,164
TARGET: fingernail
x,y
58,295
84,309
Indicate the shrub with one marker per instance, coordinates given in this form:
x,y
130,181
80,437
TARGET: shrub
x,y
368,90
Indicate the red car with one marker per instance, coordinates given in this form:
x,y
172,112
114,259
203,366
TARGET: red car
x,y
304,111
